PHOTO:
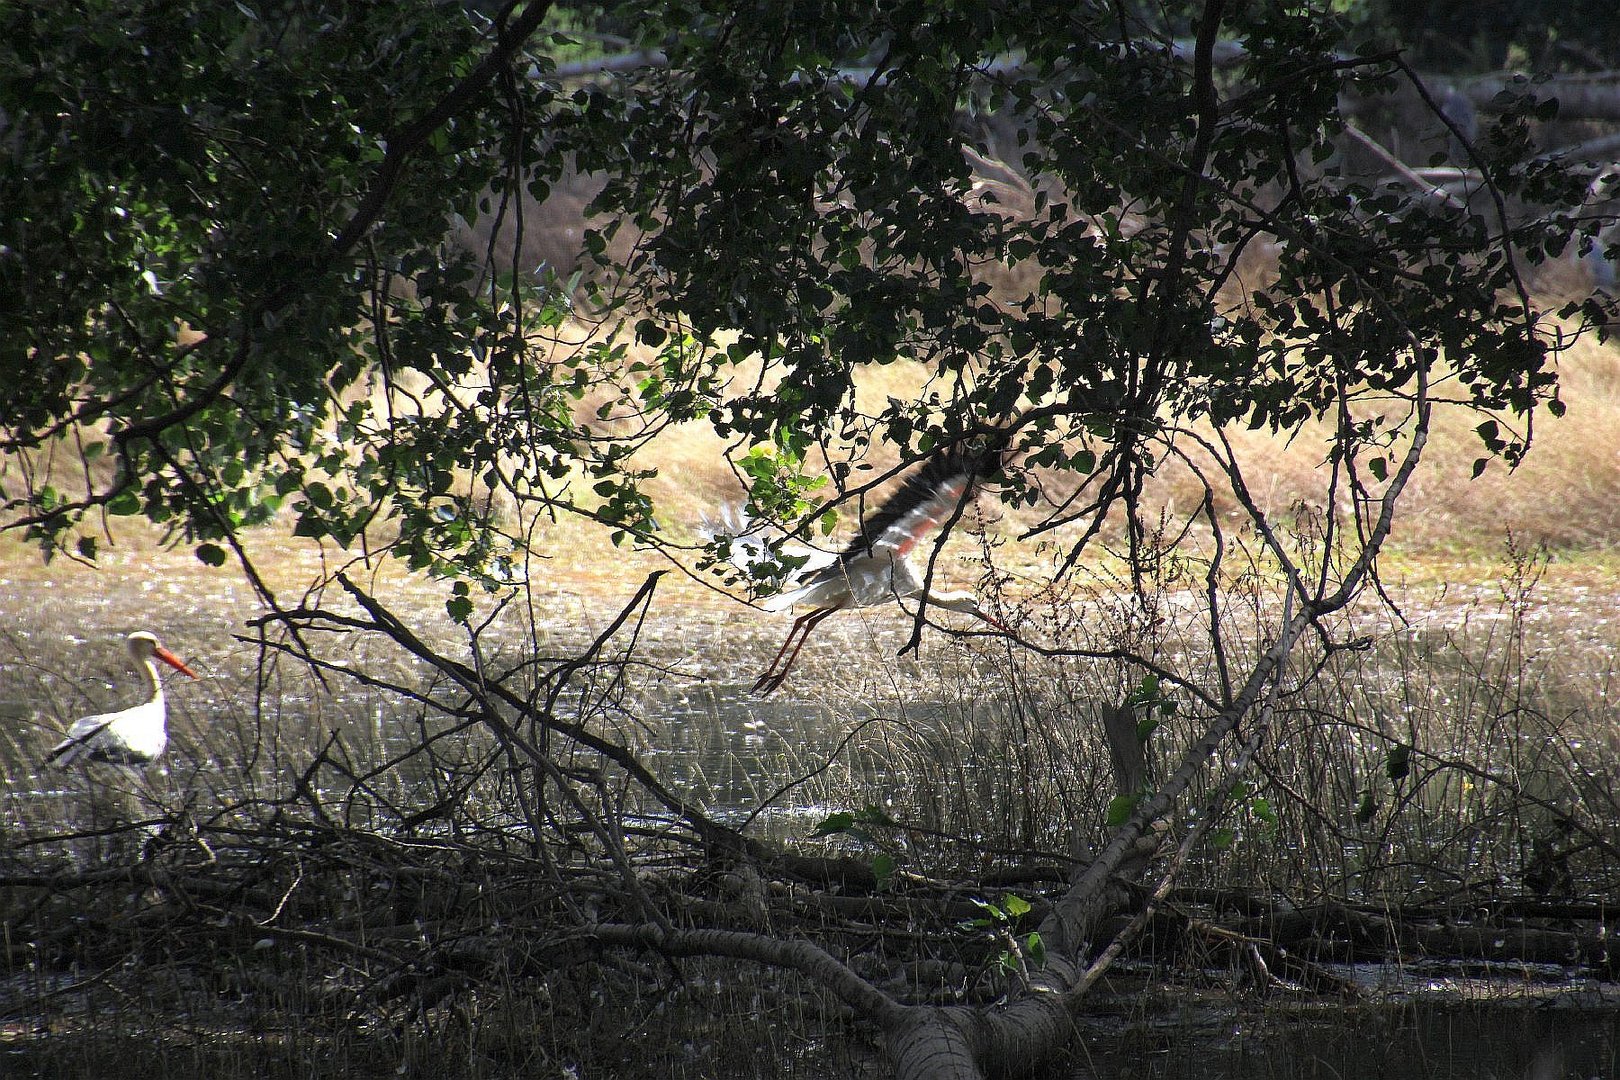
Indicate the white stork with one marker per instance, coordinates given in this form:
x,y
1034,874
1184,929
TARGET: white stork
x,y
874,567
135,736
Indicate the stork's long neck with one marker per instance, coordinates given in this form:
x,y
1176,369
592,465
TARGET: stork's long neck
x,y
955,601
154,685
967,603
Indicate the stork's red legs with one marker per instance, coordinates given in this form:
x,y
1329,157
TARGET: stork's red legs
x,y
801,629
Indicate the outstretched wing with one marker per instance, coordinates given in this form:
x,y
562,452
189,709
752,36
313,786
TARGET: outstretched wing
x,y
926,500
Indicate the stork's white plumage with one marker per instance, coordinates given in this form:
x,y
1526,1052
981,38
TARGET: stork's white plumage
x,y
135,736
874,567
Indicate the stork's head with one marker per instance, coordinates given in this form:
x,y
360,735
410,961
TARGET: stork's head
x,y
144,646
968,603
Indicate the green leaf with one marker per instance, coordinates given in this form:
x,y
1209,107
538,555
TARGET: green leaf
x,y
883,869
310,525
1261,808
211,554
1146,692
994,914
318,494
840,822
650,333
1120,809
1399,762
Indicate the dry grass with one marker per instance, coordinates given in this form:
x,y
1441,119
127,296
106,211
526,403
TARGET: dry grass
x,y
1566,494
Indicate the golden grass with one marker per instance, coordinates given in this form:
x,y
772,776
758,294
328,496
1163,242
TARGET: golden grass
x,y
1566,494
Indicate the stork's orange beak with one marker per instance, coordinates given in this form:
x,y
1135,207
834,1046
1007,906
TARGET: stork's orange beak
x,y
173,661
993,622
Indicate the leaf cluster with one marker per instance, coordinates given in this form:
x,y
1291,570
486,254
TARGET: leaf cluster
x,y
225,267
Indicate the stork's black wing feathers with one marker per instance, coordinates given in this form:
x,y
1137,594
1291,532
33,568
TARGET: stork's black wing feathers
x,y
76,743
927,498
118,755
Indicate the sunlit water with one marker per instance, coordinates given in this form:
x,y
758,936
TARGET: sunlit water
x,y
684,704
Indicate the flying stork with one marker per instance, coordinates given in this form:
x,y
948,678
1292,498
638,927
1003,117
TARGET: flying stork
x,y
133,737
874,567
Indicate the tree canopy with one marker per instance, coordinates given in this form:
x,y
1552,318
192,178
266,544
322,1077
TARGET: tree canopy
x,y
227,225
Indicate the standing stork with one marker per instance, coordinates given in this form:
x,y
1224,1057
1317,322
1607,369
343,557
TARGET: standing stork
x,y
874,567
135,736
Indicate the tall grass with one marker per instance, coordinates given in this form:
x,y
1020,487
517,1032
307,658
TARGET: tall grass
x,y
1446,763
